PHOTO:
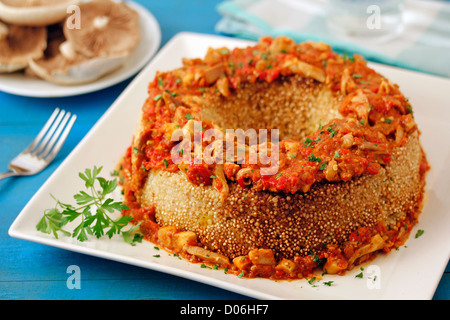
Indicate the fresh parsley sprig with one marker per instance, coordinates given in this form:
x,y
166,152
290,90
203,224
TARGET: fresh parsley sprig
x,y
93,208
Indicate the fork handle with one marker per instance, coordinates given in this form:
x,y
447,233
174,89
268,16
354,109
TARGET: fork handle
x,y
7,174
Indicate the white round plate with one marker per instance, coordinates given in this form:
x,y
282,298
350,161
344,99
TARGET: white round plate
x,y
19,84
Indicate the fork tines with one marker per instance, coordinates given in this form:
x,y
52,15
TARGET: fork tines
x,y
50,139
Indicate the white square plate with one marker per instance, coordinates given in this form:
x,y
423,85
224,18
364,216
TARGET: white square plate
x,y
412,272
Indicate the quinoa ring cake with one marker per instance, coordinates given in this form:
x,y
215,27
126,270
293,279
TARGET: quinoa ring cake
x,y
340,178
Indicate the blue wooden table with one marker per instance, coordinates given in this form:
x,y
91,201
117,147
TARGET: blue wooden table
x,y
34,271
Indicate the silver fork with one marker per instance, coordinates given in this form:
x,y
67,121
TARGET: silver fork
x,y
44,148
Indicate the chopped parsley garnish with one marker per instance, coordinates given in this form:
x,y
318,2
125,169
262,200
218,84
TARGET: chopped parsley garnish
x,y
336,155
357,76
331,131
387,120
328,283
166,164
360,275
313,158
311,281
411,110
173,94
308,142
323,166
419,233
135,150
188,116
345,57
317,259
157,97
115,173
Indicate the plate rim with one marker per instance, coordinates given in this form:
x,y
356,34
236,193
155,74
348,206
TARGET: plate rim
x,y
13,232
102,83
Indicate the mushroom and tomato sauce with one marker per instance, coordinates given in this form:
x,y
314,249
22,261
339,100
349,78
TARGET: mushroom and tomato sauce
x,y
376,116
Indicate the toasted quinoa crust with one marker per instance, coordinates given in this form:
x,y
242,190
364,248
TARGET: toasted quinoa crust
x,y
289,224
294,105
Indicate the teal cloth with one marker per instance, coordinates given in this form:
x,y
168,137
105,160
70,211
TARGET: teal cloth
x,y
424,44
